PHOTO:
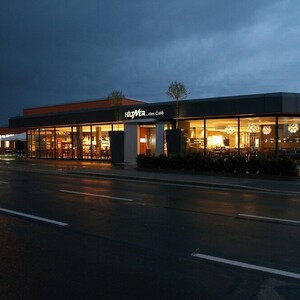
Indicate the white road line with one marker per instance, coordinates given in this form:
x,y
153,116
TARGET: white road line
x,y
96,195
32,217
3,182
268,218
247,266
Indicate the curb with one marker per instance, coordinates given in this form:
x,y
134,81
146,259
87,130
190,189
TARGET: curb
x,y
180,182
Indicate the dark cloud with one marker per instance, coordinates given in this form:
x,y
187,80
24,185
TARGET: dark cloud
x,y
55,51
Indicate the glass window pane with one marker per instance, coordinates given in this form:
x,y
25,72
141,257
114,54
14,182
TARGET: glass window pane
x,y
289,135
63,142
118,127
100,141
195,136
33,143
257,135
47,142
86,142
222,136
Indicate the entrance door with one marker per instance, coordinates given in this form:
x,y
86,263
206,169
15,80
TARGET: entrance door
x,y
147,139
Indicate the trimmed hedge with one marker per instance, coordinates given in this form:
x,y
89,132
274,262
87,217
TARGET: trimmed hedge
x,y
233,164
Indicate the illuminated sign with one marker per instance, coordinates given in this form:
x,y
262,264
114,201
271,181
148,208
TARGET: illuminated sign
x,y
138,113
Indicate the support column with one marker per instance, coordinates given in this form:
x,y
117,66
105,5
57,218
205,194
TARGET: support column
x,y
130,142
159,139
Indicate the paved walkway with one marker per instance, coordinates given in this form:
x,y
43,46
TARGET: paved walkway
x,y
249,182
276,184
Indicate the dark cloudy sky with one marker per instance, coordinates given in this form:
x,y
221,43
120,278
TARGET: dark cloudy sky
x,y
58,51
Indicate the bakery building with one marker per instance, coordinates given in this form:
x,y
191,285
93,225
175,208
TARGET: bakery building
x,y
118,131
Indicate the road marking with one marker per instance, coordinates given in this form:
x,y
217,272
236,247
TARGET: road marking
x,y
247,266
3,182
268,218
96,195
12,212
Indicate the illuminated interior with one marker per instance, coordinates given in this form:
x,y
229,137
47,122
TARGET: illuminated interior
x,y
82,142
244,135
147,139
216,137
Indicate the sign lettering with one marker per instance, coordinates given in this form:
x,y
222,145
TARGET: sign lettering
x,y
133,114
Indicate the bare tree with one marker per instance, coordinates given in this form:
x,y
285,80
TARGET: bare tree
x,y
177,91
115,98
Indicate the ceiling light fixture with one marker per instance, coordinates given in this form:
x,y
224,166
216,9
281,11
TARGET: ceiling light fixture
x,y
252,128
266,130
229,129
293,128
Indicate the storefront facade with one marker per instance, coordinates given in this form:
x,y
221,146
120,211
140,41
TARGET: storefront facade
x,y
70,142
242,125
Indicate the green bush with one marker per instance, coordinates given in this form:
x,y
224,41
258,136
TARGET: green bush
x,y
264,165
233,164
240,164
163,161
218,165
253,165
283,166
142,161
176,162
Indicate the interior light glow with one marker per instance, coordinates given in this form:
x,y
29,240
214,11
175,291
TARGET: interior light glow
x,y
252,128
229,129
266,130
293,128
215,140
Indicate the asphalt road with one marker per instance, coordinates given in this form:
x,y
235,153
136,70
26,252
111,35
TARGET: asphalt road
x,y
77,237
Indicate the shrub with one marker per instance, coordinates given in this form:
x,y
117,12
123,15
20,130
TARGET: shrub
x,y
208,163
253,165
283,166
141,161
176,162
218,165
240,164
188,161
264,165
163,161
229,164
233,164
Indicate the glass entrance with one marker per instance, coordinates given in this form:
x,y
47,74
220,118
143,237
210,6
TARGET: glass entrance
x,y
147,139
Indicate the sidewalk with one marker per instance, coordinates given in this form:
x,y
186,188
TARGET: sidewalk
x,y
218,180
278,184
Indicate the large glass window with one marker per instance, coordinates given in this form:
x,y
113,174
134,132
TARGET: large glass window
x,y
289,135
195,136
222,136
258,135
147,139
47,143
33,143
86,142
118,127
100,141
91,141
63,136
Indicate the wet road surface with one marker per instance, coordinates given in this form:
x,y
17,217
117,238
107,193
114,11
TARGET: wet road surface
x,y
129,240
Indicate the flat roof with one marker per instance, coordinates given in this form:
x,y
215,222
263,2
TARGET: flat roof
x,y
255,104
